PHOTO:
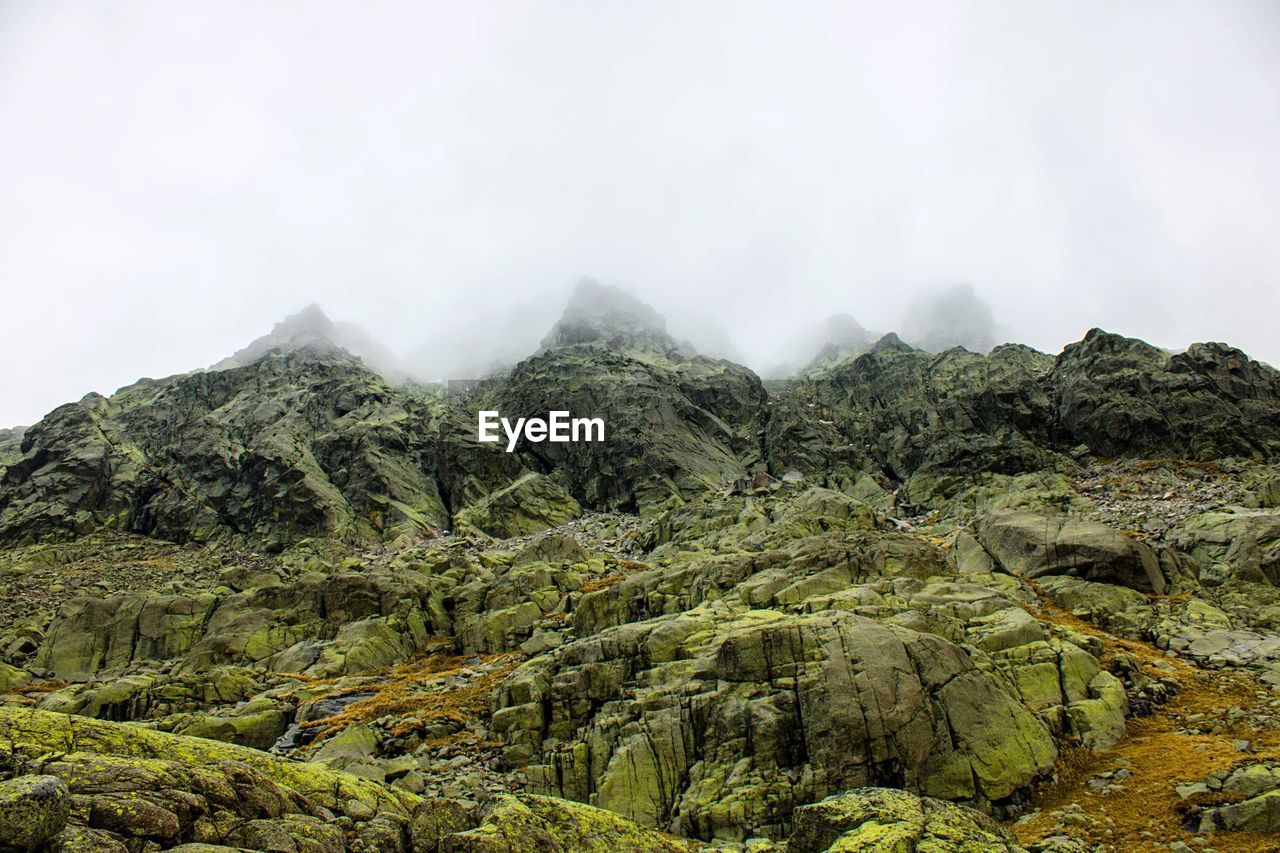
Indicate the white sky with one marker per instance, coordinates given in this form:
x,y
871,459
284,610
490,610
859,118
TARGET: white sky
x,y
176,176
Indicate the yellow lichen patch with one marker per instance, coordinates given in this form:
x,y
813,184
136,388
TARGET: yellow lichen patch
x,y
1159,752
627,568
38,687
404,692
35,733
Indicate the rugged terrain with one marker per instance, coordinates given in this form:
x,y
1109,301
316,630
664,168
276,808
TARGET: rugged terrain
x,y
950,601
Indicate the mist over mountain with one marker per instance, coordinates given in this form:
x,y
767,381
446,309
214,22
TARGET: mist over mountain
x,y
1077,165
952,317
485,339
312,328
608,316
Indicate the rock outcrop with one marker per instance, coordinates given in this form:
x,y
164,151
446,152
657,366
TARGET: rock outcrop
x,y
1119,396
889,819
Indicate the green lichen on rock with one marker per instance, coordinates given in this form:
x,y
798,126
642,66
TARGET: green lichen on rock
x,y
884,819
531,504
33,809
37,733
730,718
533,824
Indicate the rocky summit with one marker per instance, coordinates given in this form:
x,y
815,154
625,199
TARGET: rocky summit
x,y
909,600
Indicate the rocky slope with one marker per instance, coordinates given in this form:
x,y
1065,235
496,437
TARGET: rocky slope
x,y
912,601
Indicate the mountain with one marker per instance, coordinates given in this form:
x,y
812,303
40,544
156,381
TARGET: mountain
x,y
676,422
844,337
606,316
304,440
820,344
939,600
312,329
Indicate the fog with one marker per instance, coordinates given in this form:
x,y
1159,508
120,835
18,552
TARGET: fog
x,y
177,177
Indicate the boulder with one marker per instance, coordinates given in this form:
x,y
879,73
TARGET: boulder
x,y
112,750
33,809
1032,545
1233,544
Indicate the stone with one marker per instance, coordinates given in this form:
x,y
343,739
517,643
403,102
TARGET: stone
x,y
1036,544
33,809
532,824
890,819
437,820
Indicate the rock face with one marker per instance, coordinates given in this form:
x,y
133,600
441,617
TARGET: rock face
x,y
341,624
712,693
529,505
535,824
923,420
307,443
906,413
10,446
1238,543
137,784
672,428
675,423
1121,396
710,747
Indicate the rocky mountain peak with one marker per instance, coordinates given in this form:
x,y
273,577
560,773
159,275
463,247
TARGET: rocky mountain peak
x,y
844,336
311,329
603,314
308,328
891,342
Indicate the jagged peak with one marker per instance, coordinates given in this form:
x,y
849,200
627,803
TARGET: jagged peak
x,y
310,319
311,330
1098,343
890,342
603,314
843,337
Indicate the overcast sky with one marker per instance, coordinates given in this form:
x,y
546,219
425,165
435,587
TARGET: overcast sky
x,y
176,176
